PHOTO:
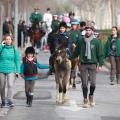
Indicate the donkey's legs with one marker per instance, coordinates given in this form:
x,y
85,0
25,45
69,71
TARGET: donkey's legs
x,y
65,87
57,93
60,92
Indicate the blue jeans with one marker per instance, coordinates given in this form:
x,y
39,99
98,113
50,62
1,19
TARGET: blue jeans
x,y
42,42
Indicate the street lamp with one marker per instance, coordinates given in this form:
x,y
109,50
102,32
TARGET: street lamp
x,y
16,24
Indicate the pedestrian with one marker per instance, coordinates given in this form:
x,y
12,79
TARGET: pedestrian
x,y
47,16
61,38
75,34
97,34
55,22
60,18
9,68
82,26
24,30
6,27
36,14
11,28
29,71
71,15
112,51
89,49
20,30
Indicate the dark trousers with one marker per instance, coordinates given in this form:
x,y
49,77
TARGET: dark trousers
x,y
29,86
115,67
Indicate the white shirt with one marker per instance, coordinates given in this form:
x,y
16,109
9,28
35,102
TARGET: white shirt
x,y
47,17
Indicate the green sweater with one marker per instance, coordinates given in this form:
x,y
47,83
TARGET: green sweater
x,y
96,52
34,15
75,36
108,44
55,24
9,59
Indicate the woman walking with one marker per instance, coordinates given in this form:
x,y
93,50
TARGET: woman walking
x,y
9,68
112,51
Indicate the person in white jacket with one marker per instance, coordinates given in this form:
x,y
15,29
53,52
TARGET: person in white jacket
x,y
47,16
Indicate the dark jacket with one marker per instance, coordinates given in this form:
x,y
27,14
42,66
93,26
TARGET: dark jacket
x,y
6,28
63,39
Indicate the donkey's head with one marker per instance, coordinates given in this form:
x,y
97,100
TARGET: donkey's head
x,y
61,54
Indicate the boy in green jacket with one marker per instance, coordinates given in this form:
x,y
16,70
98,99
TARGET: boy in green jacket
x,y
90,50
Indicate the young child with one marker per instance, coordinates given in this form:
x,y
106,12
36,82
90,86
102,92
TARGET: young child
x,y
29,70
61,38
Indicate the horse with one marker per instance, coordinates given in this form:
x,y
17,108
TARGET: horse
x,y
62,74
35,34
74,63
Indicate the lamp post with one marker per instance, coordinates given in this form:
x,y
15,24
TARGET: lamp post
x,y
16,24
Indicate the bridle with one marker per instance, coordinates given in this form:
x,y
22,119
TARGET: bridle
x,y
63,56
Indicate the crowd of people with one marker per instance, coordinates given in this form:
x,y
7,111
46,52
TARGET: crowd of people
x,y
66,31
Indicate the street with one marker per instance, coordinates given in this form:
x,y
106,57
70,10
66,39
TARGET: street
x,y
107,98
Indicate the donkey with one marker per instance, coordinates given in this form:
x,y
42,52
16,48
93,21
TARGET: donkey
x,y
62,74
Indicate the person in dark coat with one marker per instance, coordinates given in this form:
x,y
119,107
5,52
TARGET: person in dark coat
x,y
6,27
20,29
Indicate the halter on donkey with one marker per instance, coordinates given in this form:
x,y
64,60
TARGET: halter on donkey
x,y
35,34
62,75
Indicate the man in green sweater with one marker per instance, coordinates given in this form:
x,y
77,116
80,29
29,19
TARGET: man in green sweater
x,y
36,14
90,50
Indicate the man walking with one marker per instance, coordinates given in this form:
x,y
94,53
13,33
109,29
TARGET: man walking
x,y
90,50
6,27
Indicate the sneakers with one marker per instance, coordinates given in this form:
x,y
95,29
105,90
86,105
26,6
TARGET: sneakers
x,y
91,99
2,104
10,104
85,103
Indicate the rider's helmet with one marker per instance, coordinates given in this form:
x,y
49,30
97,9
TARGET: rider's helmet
x,y
75,21
62,24
66,19
30,50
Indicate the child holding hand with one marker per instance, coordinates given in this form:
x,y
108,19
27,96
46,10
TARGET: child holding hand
x,y
29,70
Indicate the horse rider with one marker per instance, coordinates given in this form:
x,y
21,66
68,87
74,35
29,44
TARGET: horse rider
x,y
62,38
55,22
47,16
36,14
